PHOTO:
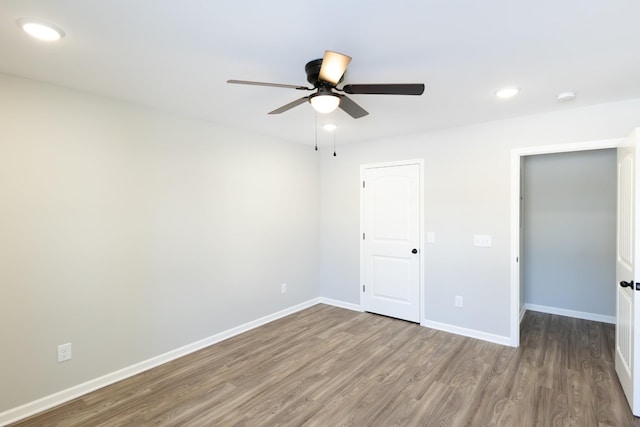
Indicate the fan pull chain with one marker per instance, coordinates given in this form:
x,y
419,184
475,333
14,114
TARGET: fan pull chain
x,y
316,116
334,143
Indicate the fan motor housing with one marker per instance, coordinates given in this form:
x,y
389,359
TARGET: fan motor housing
x,y
313,71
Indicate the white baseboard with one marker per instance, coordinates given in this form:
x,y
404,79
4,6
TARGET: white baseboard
x,y
47,402
523,311
341,304
498,339
471,333
571,313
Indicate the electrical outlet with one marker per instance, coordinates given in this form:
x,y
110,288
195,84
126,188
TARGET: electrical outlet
x,y
283,288
64,352
458,301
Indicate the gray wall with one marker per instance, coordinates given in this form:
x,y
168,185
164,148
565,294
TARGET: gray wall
x,y
467,191
130,232
570,231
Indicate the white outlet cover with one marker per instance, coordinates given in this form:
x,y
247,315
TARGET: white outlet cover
x,y
458,301
64,352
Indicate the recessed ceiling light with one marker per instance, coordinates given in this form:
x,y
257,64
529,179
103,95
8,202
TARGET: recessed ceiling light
x,y
40,30
507,92
566,96
329,127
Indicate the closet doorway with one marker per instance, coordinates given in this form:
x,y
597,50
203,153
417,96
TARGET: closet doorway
x,y
568,226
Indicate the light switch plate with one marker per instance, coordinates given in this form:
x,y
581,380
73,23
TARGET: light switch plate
x,y
482,240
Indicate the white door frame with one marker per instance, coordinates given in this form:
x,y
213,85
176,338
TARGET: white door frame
x,y
420,163
516,156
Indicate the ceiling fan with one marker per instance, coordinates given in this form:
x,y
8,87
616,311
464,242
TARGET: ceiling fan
x,y
325,74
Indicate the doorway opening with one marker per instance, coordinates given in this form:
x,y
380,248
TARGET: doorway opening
x,y
517,161
568,243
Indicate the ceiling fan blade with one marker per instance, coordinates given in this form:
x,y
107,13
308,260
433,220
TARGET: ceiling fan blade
x,y
385,89
351,108
247,82
334,65
290,105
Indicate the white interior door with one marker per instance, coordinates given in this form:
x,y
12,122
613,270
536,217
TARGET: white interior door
x,y
391,241
627,297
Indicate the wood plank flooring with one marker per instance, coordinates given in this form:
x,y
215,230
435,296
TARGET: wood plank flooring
x,y
326,366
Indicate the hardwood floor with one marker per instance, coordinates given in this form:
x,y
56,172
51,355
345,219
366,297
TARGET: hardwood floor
x,y
326,366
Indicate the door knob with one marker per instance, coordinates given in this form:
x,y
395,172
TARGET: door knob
x,y
414,251
627,284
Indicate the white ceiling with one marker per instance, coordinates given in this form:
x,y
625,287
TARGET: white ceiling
x,y
177,55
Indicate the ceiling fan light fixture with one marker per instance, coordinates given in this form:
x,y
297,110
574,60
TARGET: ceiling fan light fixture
x,y
324,75
334,65
40,30
324,103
